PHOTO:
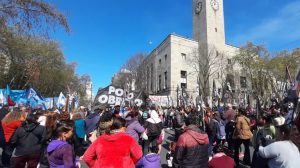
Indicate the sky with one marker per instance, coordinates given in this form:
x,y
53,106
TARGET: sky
x,y
105,33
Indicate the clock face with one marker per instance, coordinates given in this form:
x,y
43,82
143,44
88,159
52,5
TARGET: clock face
x,y
198,7
214,4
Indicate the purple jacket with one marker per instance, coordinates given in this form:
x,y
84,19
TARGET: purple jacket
x,y
151,160
61,155
134,128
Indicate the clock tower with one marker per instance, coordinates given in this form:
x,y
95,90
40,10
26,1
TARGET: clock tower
x,y
208,23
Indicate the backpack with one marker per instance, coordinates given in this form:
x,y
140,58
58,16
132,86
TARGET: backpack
x,y
229,129
153,129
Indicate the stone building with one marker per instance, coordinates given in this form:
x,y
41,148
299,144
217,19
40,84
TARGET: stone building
x,y
175,67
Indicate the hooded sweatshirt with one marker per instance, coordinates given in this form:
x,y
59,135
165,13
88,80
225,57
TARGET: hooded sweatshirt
x,y
191,149
152,160
154,124
60,154
28,139
134,128
116,150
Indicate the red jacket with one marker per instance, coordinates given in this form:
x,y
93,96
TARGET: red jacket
x,y
118,150
221,160
10,128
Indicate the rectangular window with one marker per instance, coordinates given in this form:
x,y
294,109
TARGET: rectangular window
x,y
183,55
183,85
166,80
159,61
243,82
229,61
166,57
183,74
159,82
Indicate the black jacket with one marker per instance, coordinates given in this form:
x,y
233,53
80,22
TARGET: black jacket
x,y
28,139
3,112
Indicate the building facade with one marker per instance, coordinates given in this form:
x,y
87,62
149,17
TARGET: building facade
x,y
179,67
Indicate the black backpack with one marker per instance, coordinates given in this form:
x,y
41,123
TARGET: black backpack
x,y
154,129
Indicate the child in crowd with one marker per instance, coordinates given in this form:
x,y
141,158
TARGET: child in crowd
x,y
151,160
220,159
170,154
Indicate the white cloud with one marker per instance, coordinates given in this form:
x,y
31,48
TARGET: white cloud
x,y
277,31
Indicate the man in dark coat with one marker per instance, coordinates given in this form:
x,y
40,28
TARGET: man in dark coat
x,y
192,146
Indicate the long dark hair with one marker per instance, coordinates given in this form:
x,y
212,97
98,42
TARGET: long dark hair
x,y
118,123
63,127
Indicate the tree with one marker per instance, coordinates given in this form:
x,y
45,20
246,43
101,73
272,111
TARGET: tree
x,y
131,73
267,72
28,15
207,62
253,58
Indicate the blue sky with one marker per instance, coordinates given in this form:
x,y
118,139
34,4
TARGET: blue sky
x,y
106,32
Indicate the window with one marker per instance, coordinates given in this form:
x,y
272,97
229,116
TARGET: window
x,y
166,80
216,30
159,82
229,61
166,57
159,61
183,55
183,74
243,82
217,53
183,86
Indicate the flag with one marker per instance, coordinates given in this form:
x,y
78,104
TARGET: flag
x,y
31,93
61,100
10,102
1,97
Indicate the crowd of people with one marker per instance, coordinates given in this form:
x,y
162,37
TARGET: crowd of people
x,y
106,137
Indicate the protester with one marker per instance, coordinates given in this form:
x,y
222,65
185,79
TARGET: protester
x,y
221,133
27,142
115,148
117,111
229,117
179,122
220,159
51,123
151,160
211,127
242,135
134,128
105,122
91,121
79,126
10,123
283,153
60,152
154,128
170,154
264,137
191,147
77,143
3,112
